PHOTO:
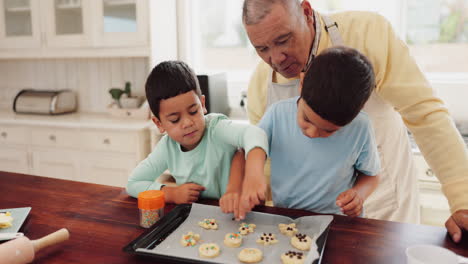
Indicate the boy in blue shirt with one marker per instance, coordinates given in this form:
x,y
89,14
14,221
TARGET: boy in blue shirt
x,y
323,153
198,148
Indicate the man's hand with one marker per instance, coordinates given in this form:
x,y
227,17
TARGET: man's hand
x,y
456,224
350,202
253,193
183,194
229,203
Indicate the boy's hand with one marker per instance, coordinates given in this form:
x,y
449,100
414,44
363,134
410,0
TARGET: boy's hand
x,y
183,194
253,193
350,202
229,203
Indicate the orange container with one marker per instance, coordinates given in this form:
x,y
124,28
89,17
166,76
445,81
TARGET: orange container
x,y
151,206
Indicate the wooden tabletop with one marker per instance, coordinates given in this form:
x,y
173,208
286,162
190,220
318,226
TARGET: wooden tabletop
x,y
103,219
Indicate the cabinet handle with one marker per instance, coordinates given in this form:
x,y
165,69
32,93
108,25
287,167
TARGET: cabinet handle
x,y
52,137
4,134
429,173
106,141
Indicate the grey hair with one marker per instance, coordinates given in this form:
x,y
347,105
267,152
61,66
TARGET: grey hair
x,y
253,11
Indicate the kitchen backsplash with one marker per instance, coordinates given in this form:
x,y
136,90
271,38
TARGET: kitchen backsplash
x,y
90,78
93,77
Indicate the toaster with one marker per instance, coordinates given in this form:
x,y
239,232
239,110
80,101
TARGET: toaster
x,y
30,101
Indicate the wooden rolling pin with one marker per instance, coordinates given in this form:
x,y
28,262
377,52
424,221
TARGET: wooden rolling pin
x,y
22,250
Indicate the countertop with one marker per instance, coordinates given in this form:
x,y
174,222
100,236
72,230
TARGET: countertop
x,y
74,120
103,219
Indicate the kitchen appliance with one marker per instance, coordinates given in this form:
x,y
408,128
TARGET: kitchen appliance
x,y
30,101
214,87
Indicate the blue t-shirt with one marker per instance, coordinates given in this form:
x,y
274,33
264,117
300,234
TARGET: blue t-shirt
x,y
309,173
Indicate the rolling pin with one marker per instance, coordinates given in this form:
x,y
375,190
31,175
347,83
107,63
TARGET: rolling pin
x,y
22,250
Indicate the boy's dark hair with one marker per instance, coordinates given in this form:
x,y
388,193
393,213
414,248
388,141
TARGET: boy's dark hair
x,y
169,79
338,84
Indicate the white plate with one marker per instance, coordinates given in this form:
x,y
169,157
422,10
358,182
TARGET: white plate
x,y
19,215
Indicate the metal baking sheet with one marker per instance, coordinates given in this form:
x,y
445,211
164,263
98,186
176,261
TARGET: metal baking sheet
x,y
313,226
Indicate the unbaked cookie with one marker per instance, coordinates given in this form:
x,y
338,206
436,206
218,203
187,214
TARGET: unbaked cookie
x,y
209,250
190,239
250,255
208,223
245,228
233,240
293,257
301,241
267,239
289,230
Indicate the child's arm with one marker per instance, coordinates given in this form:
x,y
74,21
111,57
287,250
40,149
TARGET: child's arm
x,y
254,185
255,143
351,200
186,193
229,202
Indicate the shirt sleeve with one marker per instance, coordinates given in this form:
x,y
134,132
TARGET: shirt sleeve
x,y
244,136
401,83
266,123
144,176
368,161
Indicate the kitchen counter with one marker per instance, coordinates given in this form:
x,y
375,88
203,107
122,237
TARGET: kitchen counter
x,y
103,219
74,120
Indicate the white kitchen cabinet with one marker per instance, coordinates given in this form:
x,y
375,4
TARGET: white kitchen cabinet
x,y
107,168
67,23
74,28
19,24
56,163
102,150
14,158
434,206
121,23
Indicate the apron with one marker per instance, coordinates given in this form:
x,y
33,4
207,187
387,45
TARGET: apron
x,y
397,196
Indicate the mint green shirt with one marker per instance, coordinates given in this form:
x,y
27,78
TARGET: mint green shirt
x,y
208,164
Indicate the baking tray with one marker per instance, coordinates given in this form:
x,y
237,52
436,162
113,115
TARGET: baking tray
x,y
165,234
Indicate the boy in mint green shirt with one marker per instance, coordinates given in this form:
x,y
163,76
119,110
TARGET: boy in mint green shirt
x,y
198,148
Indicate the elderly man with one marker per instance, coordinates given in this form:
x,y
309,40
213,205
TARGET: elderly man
x,y
287,34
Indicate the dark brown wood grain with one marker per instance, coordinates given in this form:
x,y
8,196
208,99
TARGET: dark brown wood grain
x,y
103,219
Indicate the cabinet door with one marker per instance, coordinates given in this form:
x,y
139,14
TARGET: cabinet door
x,y
67,23
55,163
107,168
14,159
121,22
19,24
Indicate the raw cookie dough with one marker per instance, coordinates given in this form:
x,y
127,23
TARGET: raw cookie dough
x,y
5,220
301,241
289,230
233,240
293,257
209,250
190,239
267,239
250,255
208,223
245,228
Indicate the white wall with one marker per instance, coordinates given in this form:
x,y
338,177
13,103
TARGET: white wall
x,y
455,96
90,78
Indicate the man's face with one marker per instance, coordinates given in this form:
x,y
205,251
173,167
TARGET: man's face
x,y
284,40
311,124
182,117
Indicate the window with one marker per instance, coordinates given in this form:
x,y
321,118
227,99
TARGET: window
x,y
435,30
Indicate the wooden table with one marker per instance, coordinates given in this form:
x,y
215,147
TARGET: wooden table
x,y
103,219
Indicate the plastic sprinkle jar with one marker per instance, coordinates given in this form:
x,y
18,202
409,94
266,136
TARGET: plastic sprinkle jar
x,y
151,206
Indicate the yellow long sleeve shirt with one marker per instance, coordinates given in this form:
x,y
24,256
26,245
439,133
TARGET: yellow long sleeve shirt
x,y
402,84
